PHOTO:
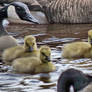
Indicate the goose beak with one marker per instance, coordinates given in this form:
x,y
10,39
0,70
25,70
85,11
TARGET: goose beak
x,y
30,18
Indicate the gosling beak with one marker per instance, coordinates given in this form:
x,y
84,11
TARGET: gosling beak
x,y
31,49
91,41
30,18
48,59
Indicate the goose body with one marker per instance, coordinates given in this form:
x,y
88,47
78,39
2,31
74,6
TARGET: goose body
x,y
34,64
78,49
28,49
78,80
68,11
7,42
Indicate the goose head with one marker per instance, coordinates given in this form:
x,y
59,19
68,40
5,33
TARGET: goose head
x,y
37,11
45,54
17,10
75,79
30,43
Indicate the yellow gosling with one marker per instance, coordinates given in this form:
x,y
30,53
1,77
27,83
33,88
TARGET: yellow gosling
x,y
46,65
78,49
28,49
34,65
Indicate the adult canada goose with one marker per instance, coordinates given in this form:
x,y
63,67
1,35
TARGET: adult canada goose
x,y
64,11
67,11
78,49
75,79
28,49
15,10
34,64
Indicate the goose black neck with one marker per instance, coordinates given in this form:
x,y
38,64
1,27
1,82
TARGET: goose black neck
x,y
3,15
74,78
3,32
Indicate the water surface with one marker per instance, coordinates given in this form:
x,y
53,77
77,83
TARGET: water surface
x,y
54,36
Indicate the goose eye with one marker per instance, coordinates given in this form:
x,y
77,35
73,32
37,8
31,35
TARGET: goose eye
x,y
18,8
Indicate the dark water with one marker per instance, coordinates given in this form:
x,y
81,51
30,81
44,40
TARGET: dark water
x,y
55,36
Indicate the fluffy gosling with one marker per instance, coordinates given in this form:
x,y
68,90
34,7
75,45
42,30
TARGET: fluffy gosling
x,y
28,49
78,49
35,65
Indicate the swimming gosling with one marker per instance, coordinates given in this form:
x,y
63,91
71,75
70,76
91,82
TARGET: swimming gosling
x,y
78,49
35,65
76,79
28,49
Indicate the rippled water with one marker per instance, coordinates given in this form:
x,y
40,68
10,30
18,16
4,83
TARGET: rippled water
x,y
55,36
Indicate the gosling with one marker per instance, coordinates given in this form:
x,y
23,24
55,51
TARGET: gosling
x,y
72,78
78,49
34,65
28,49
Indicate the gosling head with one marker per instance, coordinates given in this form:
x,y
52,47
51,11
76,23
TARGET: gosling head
x,y
90,36
17,10
30,43
45,54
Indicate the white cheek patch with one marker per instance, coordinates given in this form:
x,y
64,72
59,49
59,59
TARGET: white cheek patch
x,y
71,89
5,23
12,12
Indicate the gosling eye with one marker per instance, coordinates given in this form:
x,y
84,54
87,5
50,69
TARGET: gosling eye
x,y
43,54
27,44
33,44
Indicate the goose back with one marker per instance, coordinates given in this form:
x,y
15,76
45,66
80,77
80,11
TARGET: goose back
x,y
69,11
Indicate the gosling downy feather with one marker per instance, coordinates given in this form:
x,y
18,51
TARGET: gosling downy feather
x,y
75,78
25,65
78,49
34,64
28,49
